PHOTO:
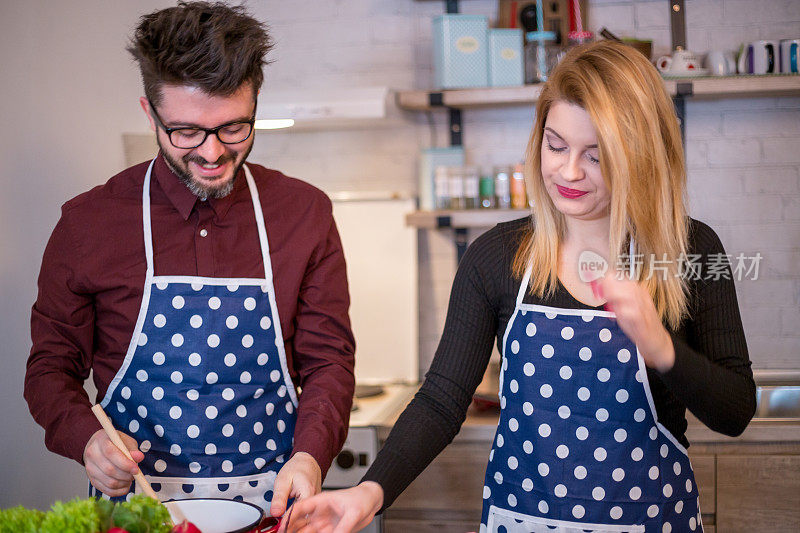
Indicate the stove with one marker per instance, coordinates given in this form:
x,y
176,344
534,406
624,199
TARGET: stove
x,y
371,412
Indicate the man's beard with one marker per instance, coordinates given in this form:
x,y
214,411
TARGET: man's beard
x,y
196,188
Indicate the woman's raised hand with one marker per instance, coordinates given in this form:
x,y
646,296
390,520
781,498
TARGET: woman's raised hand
x,y
337,511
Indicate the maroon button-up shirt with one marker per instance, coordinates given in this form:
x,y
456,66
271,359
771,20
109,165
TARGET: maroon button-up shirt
x,y
93,274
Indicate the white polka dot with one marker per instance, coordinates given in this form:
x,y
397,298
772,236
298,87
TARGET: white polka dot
x,y
600,454
227,430
666,528
289,408
513,463
213,340
214,303
233,287
527,446
211,449
228,393
567,333
664,451
175,450
177,340
513,425
487,492
244,447
688,485
653,433
677,468
615,512
212,378
527,484
162,285
270,408
271,445
142,339
530,329
527,408
227,466
159,320
196,321
262,359
250,303
515,347
141,375
282,391
142,410
245,377
529,369
231,322
653,472
679,507
544,430
197,286
622,396
620,435
543,507
512,500
176,377
587,318
505,364
578,511
602,415
158,393
605,335
562,451
692,523
194,467
582,433
635,493
120,407
193,431
178,302
265,322
565,372
159,358
195,359
598,493
126,392
230,359
639,415
549,314
258,393
583,394
513,386
133,426
618,474
580,472
175,412
652,511
502,402
259,462
145,446
547,351
241,411
275,375
637,454
159,430
560,490
603,374
585,354
498,478
546,390
281,426
564,412
543,469
624,355
160,465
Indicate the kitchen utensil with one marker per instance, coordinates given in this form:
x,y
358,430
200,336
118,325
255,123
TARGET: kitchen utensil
x,y
764,57
217,515
720,63
680,62
789,53
144,485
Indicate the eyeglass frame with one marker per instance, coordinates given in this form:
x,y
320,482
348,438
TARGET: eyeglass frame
x,y
207,131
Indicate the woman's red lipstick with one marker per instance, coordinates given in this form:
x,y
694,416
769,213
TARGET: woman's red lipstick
x,y
570,193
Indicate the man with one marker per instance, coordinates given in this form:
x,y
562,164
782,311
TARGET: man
x,y
199,291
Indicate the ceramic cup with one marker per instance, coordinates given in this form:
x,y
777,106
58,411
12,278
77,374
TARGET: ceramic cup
x,y
790,49
720,63
680,61
763,57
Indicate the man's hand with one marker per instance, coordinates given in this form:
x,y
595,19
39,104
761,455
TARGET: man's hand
x,y
107,467
299,478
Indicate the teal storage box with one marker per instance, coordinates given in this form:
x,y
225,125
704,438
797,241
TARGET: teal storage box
x,y
460,51
506,65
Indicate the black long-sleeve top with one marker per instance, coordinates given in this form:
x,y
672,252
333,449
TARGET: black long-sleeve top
x,y
711,375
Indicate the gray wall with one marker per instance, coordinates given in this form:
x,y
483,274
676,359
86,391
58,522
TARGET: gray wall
x,y
70,92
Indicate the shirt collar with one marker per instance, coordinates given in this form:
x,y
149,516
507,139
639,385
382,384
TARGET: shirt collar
x,y
184,200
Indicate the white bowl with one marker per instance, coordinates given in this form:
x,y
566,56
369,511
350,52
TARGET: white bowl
x,y
216,515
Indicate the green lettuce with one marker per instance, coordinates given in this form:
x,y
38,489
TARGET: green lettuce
x,y
20,520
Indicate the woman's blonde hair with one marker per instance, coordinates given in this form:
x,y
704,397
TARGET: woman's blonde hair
x,y
641,160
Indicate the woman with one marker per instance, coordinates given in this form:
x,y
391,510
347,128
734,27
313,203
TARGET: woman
x,y
596,373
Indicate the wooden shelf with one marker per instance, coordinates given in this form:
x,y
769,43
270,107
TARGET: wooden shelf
x,y
467,218
704,87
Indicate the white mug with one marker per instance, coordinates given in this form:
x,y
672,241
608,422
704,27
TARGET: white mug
x,y
763,57
681,61
790,50
720,63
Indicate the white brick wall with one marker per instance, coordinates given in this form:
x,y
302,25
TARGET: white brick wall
x,y
743,155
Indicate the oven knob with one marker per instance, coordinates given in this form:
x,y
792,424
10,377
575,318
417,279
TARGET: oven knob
x,y
345,459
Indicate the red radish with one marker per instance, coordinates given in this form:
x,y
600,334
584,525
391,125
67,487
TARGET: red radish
x,y
117,530
185,527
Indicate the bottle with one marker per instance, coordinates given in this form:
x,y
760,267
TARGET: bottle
x,y
456,186
519,197
471,188
441,188
502,187
488,201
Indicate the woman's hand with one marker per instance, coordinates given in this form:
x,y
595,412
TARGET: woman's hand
x,y
337,511
637,316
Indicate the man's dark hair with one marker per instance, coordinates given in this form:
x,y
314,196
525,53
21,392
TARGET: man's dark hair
x,y
210,45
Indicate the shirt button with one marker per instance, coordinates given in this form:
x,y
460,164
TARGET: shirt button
x,y
203,232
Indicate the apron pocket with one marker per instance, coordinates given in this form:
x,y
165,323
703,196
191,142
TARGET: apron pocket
x,y
256,489
505,521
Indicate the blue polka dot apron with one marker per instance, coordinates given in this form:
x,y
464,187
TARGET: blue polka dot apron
x,y
579,447
204,387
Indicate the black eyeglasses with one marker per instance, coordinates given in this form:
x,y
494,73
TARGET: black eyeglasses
x,y
187,138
